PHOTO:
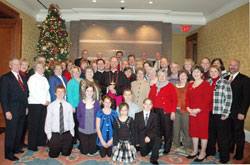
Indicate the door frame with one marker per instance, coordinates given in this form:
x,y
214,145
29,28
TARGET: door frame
x,y
9,18
192,47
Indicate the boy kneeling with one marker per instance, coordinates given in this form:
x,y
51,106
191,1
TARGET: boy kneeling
x,y
59,125
147,131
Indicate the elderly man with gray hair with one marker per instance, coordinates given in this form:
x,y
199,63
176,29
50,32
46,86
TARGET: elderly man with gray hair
x,y
14,100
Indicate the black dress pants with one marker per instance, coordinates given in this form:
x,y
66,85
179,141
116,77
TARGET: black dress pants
x,y
87,143
76,128
13,130
154,145
25,128
36,122
60,143
218,131
237,135
166,128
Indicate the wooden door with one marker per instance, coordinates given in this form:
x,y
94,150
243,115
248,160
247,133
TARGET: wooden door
x,y
10,41
191,47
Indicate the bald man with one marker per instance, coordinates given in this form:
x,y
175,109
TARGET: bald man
x,y
240,88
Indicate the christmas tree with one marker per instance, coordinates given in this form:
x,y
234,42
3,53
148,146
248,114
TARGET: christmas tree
x,y
53,43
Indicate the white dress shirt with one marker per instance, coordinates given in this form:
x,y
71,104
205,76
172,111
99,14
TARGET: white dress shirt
x,y
38,89
234,75
60,77
16,75
145,114
52,123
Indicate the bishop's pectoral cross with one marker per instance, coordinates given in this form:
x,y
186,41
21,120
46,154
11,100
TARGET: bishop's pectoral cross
x,y
113,79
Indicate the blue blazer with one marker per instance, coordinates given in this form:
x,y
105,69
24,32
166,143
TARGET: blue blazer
x,y
54,81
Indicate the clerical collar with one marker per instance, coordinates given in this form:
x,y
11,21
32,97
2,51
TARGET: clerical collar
x,y
100,71
113,71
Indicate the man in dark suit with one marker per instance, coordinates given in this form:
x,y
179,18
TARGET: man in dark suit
x,y
239,108
55,80
147,131
84,56
165,65
14,93
157,62
100,70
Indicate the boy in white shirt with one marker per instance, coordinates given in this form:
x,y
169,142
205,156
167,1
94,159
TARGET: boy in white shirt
x,y
59,125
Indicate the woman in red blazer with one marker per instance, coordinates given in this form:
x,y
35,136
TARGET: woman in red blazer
x,y
197,103
164,99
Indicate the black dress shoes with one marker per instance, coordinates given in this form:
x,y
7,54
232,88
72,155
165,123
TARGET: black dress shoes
x,y
154,162
192,156
23,145
18,151
12,158
223,162
200,160
237,157
165,152
33,149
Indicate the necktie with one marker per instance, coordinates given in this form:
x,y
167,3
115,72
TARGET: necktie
x,y
119,67
61,119
230,78
146,120
21,83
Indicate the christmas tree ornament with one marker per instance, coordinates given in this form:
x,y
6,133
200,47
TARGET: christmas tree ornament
x,y
44,48
53,41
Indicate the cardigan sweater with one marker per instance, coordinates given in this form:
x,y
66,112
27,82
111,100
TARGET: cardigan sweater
x,y
165,99
81,109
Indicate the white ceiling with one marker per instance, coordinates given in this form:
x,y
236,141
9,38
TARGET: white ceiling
x,y
178,12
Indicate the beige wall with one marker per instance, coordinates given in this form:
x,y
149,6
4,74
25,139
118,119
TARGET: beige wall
x,y
30,34
179,48
227,37
132,37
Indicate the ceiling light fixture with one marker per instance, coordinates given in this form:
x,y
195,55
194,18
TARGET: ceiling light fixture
x,y
122,1
150,2
93,0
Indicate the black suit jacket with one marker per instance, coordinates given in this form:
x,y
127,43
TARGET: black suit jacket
x,y
77,61
12,94
141,131
122,82
241,93
98,76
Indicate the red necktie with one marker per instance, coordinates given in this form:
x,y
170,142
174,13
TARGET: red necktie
x,y
119,67
21,83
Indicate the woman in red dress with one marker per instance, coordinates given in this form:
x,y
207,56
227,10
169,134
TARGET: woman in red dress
x,y
197,103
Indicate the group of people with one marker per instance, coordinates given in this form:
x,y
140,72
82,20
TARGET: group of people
x,y
120,106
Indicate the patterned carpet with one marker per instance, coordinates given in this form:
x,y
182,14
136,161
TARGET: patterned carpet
x,y
176,156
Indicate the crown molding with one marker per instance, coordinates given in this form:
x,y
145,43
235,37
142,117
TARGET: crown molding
x,y
24,7
228,7
169,16
76,14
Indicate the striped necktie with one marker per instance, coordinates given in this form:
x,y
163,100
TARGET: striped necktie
x,y
146,120
61,119
21,83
